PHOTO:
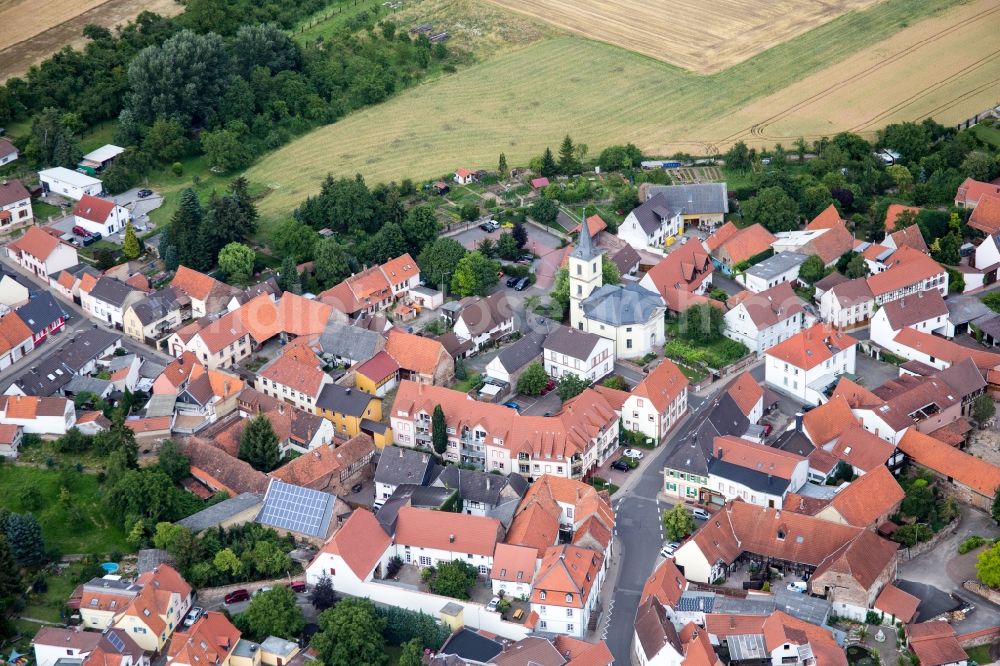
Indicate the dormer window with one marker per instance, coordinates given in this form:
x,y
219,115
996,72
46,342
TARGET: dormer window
x,y
781,535
569,598
541,595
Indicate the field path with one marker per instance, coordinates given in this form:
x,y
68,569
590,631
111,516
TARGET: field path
x,y
31,35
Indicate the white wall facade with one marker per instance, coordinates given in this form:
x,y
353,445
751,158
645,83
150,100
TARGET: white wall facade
x,y
795,381
72,186
633,340
842,314
741,328
114,223
641,415
599,363
732,489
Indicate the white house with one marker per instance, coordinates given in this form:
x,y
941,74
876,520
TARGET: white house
x,y
39,416
485,320
847,304
8,152
98,215
657,403
464,176
427,538
54,643
513,570
42,253
12,293
755,473
649,224
570,351
805,365
782,267
15,206
108,299
762,320
69,183
924,311
566,588
353,556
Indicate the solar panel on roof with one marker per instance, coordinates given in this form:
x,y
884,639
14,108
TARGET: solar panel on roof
x,y
862,247
297,509
885,255
116,640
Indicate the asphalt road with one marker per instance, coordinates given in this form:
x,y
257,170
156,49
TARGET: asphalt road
x,y
640,535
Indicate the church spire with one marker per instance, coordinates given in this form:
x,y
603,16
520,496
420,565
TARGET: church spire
x,y
584,247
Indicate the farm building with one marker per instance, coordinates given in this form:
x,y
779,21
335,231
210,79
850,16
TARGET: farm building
x,y
701,204
72,184
97,160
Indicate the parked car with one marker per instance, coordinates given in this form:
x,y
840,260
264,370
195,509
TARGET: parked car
x,y
96,235
298,586
522,284
142,194
700,513
86,241
237,596
193,615
492,606
767,429
669,549
633,453
620,465
356,488
526,258
797,586
511,281
549,386
80,231
513,405
262,590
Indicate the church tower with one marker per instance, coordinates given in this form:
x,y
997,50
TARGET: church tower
x,y
585,275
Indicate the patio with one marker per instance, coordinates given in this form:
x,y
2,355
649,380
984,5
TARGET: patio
x,y
409,576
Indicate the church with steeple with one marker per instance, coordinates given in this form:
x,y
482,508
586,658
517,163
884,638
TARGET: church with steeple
x,y
632,317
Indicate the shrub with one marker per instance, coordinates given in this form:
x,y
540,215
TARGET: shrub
x,y
971,544
177,168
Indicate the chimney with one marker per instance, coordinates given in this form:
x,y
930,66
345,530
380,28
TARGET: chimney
x,y
798,421
451,538
721,451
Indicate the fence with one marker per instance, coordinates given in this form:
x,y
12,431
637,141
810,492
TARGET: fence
x,y
993,112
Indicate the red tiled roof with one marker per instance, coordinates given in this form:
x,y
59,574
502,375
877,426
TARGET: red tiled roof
x,y
829,218
980,475
35,242
415,352
946,350
94,208
746,243
566,576
986,216
828,421
666,583
457,532
906,267
684,269
750,455
194,284
361,542
971,191
910,237
894,601
514,564
868,498
935,643
663,385
595,225
720,236
209,641
861,449
772,306
892,212
812,346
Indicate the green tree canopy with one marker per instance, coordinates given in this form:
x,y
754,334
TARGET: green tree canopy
x,y
412,653
568,163
322,595
570,386
548,168
678,522
236,261
454,579
738,157
439,430
350,633
988,566
856,267
701,324
130,245
259,444
11,585
983,408
420,228
332,263
544,210
438,261
812,270
773,209
474,275
24,536
532,381
294,239
273,613
507,247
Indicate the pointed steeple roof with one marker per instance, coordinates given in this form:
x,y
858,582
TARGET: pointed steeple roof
x,y
584,249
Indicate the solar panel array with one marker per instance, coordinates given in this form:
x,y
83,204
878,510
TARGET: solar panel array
x,y
116,640
297,509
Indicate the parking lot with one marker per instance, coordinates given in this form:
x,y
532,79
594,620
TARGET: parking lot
x,y
539,405
544,245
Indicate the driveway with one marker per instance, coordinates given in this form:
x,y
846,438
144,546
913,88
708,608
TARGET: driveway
x,y
941,571
542,243
874,373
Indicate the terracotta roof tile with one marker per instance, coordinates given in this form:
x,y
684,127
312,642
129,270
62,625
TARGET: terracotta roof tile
x,y
830,245
361,542
975,473
935,643
415,352
971,191
747,242
906,267
514,564
666,583
861,449
910,237
291,370
94,208
684,269
894,601
662,385
566,576
378,367
986,216
209,641
812,346
772,306
35,242
13,332
316,465
31,407
194,284
855,394
868,498
458,532
829,218
720,236
945,350
826,422
892,212
753,456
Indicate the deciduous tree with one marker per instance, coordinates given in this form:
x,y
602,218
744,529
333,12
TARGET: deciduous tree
x,y
988,566
438,261
812,269
570,386
351,633
544,210
474,275
454,579
678,522
274,612
856,267
773,209
983,408
236,261
172,462
701,324
532,381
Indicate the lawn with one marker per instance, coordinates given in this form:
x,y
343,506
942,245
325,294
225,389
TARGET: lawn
x,y
988,134
49,604
980,654
526,99
44,211
85,527
717,354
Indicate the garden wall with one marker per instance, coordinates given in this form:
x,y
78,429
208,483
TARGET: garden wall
x,y
981,637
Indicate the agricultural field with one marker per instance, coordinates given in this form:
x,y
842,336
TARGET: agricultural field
x,y
899,60
703,37
30,35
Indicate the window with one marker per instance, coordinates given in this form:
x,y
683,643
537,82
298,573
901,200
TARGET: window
x,y
569,628
569,597
424,561
541,595
569,611
628,343
541,624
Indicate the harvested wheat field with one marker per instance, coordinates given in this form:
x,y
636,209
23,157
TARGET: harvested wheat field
x,y
704,37
527,99
30,35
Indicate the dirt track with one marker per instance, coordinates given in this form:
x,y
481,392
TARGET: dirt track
x,y
40,34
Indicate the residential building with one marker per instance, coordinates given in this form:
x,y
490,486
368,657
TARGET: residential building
x,y
910,236
777,638
16,339
565,590
808,363
485,321
347,408
657,403
907,271
15,204
77,356
38,416
656,641
682,278
736,247
936,352
8,151
760,321
217,470
313,519
152,317
513,570
43,315
570,351
971,191
847,304
973,480
482,493
428,538
103,598
420,359
755,473
649,225
13,293
701,204
986,216
291,317
848,565
378,375
935,644
52,644
10,440
102,216
153,614
216,343
782,267
41,253
209,396
583,434
866,502
374,289
398,466
211,640
330,468
108,299
207,295
295,376
513,359
344,344
353,556
748,395
296,430
68,183
923,311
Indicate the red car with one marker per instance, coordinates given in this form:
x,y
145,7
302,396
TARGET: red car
x,y
767,429
549,385
80,231
236,596
297,586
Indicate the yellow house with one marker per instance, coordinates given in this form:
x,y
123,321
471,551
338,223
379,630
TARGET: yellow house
x,y
276,651
156,611
103,598
378,375
346,408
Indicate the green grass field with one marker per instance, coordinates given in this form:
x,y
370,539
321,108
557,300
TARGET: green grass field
x,y
526,99
990,135
87,530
